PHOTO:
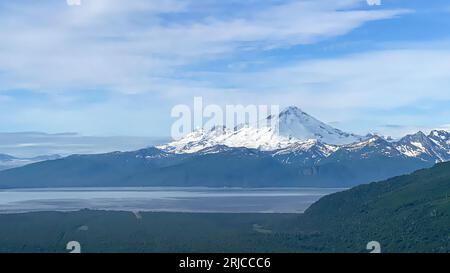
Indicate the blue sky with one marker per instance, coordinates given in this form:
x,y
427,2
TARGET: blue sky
x,y
116,67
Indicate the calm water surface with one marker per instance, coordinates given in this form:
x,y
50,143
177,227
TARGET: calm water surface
x,y
235,200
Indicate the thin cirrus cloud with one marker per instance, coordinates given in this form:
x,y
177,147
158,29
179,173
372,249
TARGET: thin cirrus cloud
x,y
377,79
406,86
144,56
142,45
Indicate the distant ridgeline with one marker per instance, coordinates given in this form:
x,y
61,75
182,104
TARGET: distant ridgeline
x,y
9,162
246,157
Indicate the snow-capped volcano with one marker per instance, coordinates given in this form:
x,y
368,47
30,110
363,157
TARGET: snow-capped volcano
x,y
289,127
293,122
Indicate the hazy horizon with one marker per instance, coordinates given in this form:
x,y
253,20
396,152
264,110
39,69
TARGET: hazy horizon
x,y
31,144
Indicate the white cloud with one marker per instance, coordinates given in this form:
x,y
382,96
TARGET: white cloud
x,y
360,90
380,79
130,47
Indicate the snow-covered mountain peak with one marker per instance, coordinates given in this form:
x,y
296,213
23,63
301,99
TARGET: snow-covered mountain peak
x,y
290,126
215,149
293,111
440,135
441,140
293,115
308,146
218,130
434,146
264,138
294,123
419,136
372,140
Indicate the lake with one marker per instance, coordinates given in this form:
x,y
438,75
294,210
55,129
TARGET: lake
x,y
163,199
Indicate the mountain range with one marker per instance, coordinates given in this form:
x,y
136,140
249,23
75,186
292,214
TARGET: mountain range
x,y
297,132
301,151
289,127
